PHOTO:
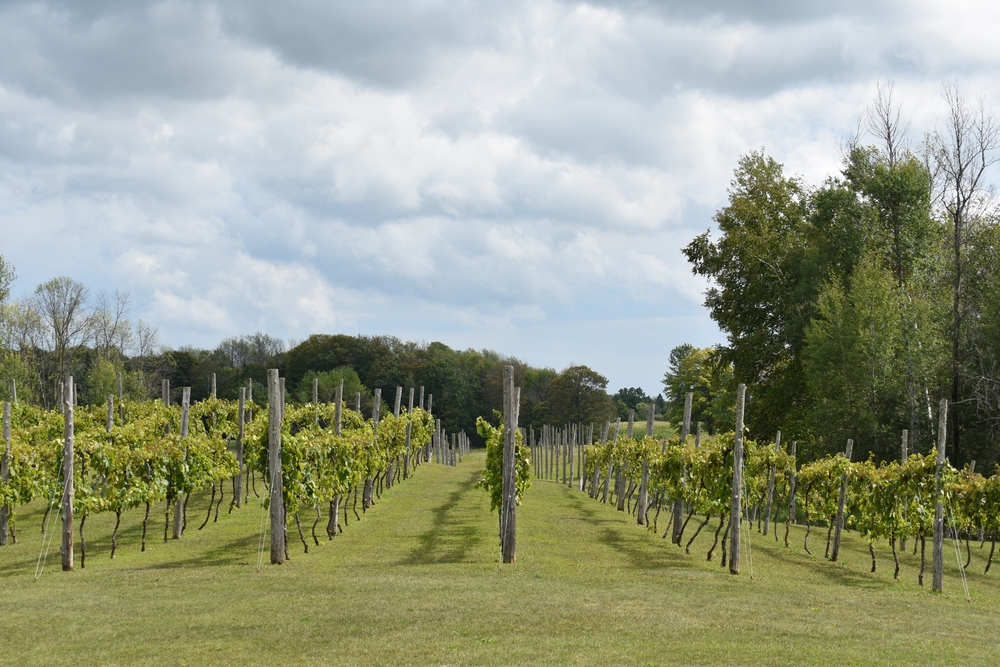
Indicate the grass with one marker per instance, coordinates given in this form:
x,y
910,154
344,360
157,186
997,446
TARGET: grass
x,y
418,581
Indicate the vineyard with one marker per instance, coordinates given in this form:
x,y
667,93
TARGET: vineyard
x,y
91,460
610,523
892,504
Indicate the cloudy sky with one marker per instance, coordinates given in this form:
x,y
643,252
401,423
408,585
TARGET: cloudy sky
x,y
518,176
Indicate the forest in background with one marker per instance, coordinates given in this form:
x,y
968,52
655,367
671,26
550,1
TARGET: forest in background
x,y
61,329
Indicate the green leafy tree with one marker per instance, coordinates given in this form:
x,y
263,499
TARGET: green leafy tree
x,y
708,377
579,394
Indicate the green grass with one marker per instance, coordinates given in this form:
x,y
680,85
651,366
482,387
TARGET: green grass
x,y
418,581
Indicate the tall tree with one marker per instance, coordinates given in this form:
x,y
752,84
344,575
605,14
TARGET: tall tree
x,y
760,293
962,153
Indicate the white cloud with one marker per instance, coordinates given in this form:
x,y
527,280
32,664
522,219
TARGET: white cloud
x,y
523,174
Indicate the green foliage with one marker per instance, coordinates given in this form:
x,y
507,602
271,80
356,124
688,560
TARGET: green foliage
x,y
329,381
704,373
492,478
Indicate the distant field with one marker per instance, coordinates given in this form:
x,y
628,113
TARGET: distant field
x,y
418,582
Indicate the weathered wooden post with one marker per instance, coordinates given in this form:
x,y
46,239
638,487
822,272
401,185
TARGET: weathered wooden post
x,y
338,408
611,465
791,487
181,496
166,392
276,500
509,475
770,485
644,481
421,401
409,432
110,422
67,499
839,526
735,505
214,392
121,408
358,408
5,473
241,423
390,472
938,562
13,390
678,519
366,497
315,391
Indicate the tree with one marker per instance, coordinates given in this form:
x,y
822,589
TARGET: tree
x,y
762,286
7,276
708,377
61,303
961,156
328,382
579,394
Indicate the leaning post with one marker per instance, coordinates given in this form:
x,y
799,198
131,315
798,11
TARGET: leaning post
x,y
839,526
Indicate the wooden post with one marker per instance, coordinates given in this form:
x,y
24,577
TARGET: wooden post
x,y
67,499
5,473
421,403
359,403
399,401
214,392
643,500
570,450
241,417
13,390
678,509
839,526
791,487
181,497
697,435
276,500
686,424
735,505
165,392
315,391
111,414
938,562
770,485
338,408
121,408
409,429
430,403
509,475
631,421
367,497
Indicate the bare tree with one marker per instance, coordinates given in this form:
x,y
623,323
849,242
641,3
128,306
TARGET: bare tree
x,y
62,305
883,120
145,346
962,152
111,328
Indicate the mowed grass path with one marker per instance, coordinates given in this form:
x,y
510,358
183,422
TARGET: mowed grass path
x,y
418,581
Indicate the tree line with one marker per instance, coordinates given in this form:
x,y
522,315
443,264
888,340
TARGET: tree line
x,y
852,307
62,329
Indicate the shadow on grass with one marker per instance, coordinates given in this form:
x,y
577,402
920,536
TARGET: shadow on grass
x,y
616,532
450,538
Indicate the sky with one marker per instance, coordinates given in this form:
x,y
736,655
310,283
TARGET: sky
x,y
519,176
